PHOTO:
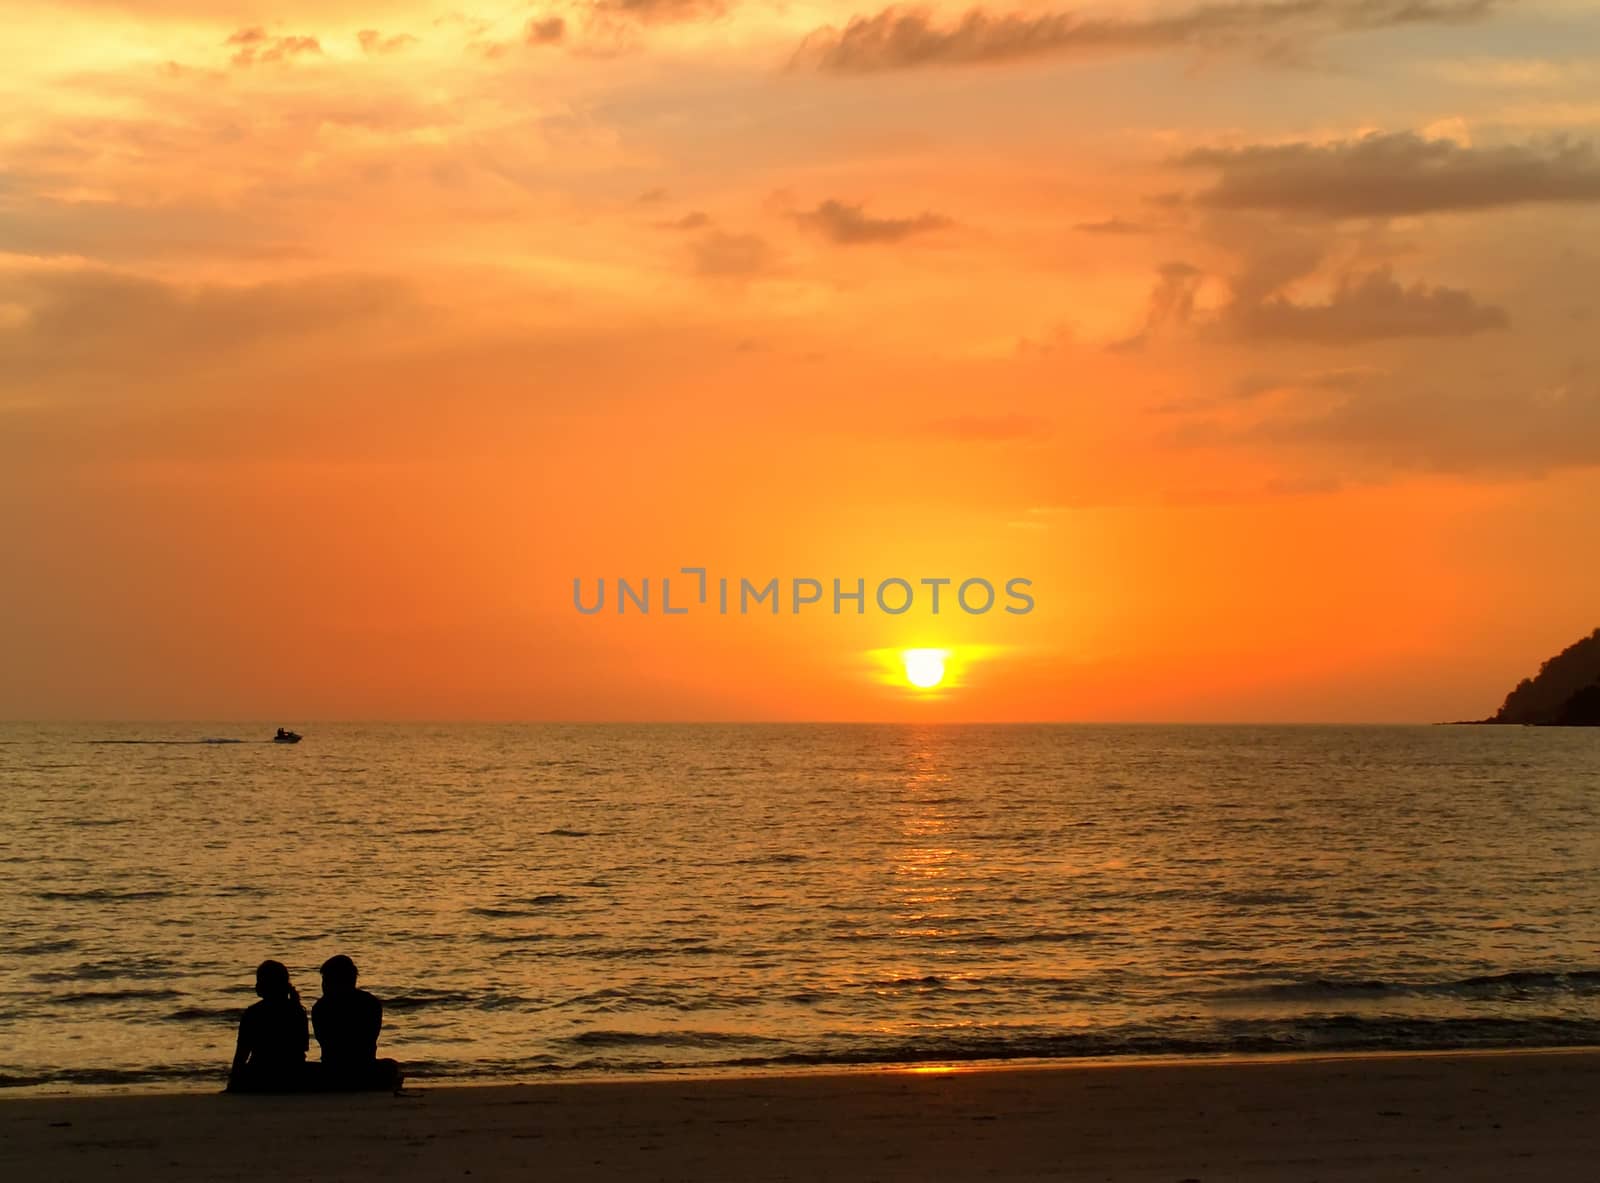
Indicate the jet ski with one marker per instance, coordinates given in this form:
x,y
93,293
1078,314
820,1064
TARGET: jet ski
x,y
286,736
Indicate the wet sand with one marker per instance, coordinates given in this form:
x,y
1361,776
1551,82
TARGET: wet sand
x,y
1432,1117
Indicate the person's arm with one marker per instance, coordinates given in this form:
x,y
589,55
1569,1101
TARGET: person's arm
x,y
241,1055
305,1033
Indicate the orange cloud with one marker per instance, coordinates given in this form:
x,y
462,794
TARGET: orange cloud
x,y
907,38
1395,174
255,45
374,42
850,225
1367,308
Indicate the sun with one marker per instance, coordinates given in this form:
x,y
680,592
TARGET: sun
x,y
924,667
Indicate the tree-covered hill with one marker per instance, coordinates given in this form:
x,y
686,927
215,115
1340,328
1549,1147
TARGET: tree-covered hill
x,y
1565,692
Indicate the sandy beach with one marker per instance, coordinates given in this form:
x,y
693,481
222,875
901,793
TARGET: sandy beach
x,y
1524,1115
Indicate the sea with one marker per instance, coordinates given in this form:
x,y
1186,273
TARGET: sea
x,y
536,902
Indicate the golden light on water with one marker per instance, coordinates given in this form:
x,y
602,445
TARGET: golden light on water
x,y
924,667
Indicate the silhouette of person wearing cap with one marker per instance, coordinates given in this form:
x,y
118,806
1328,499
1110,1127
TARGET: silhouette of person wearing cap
x,y
347,1021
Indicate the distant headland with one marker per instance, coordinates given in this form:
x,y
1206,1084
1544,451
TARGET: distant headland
x,y
1564,693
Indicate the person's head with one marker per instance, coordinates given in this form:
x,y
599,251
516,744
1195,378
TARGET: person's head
x,y
338,973
272,981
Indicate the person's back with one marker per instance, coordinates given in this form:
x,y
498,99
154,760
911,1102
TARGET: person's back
x,y
273,1037
347,1021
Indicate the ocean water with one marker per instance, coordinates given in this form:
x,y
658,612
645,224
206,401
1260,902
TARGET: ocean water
x,y
536,900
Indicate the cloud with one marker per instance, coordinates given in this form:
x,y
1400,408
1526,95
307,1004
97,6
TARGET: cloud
x,y
374,42
660,12
80,324
1342,379
693,220
909,38
1171,303
1366,307
1394,174
256,46
849,225
1461,433
1111,226
729,256
547,30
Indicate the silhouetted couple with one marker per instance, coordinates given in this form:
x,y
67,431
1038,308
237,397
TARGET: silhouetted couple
x,y
274,1038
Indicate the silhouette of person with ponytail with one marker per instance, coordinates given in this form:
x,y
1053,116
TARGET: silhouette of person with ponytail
x,y
273,1037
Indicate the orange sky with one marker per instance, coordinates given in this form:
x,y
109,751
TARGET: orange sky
x,y
337,338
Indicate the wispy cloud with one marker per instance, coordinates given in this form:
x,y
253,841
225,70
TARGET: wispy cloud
x,y
909,38
1505,433
1112,226
660,12
850,225
1395,174
1171,304
693,220
732,256
373,42
1369,307
255,46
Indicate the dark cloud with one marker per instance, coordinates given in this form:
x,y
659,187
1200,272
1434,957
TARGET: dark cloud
x,y
1367,307
849,225
79,329
255,46
374,42
732,256
1395,174
546,30
908,38
1461,433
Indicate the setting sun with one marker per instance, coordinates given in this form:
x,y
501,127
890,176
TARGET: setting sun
x,y
924,667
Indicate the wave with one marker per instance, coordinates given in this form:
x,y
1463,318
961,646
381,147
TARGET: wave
x,y
1335,1034
611,1051
418,999
93,996
152,1074
42,948
528,907
1515,983
208,1014
664,1039
102,895
170,742
140,968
